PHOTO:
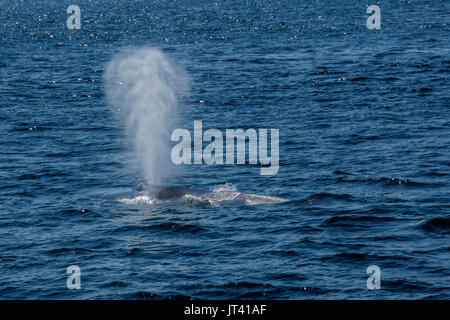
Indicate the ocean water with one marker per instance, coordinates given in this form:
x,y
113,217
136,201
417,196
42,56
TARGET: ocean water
x,y
364,151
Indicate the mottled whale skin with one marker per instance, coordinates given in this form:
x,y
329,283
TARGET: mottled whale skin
x,y
167,193
174,193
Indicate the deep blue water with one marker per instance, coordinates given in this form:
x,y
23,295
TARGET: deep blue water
x,y
364,151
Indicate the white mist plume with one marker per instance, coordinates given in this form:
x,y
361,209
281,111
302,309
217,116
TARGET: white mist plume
x,y
143,88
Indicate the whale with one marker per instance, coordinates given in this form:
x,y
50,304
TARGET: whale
x,y
167,193
191,196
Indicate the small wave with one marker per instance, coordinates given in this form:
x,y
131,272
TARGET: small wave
x,y
134,251
114,284
362,78
422,90
384,180
245,290
68,250
144,295
405,285
355,139
352,257
324,199
398,181
340,172
30,128
325,72
437,225
436,174
245,284
164,226
286,276
352,220
320,196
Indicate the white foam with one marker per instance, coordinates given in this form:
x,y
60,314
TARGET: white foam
x,y
139,200
224,187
